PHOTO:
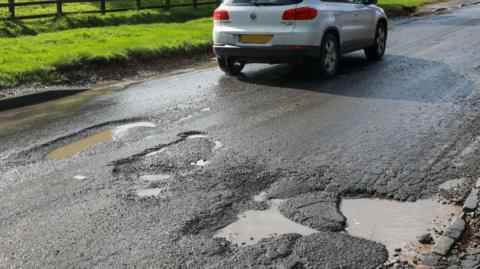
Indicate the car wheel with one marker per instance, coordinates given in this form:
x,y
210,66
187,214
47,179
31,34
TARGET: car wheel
x,y
230,66
376,51
327,65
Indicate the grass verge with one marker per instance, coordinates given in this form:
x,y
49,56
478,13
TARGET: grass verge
x,y
402,7
54,24
45,58
82,6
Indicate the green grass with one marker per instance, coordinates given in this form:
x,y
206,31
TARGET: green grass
x,y
396,6
45,9
40,58
54,24
79,7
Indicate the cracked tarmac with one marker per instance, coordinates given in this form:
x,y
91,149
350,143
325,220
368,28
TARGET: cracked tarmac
x,y
394,129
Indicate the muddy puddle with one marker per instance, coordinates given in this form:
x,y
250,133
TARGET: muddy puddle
x,y
254,225
104,136
396,224
75,147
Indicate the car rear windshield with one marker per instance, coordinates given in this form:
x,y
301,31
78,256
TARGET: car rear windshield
x,y
261,2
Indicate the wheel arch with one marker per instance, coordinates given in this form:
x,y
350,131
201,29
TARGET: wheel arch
x,y
384,21
333,30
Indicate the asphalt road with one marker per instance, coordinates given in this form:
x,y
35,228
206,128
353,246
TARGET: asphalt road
x,y
393,129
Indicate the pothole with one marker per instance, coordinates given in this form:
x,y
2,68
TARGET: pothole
x,y
142,174
255,225
75,147
396,224
104,136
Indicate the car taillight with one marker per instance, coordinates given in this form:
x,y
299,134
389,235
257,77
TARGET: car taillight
x,y
220,15
298,14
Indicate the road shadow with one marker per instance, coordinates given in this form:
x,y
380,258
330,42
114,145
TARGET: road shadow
x,y
395,77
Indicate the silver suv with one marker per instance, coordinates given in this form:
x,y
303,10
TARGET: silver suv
x,y
311,32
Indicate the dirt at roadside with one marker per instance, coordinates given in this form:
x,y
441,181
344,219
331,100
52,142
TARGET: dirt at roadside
x,y
466,253
101,74
443,7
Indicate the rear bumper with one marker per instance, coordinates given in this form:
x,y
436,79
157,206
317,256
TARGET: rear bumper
x,y
273,54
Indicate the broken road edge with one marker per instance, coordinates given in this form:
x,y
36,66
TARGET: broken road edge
x,y
454,230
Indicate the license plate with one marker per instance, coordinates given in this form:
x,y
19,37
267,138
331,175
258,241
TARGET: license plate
x,y
259,39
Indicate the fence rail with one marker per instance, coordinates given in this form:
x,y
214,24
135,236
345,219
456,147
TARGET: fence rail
x,y
102,10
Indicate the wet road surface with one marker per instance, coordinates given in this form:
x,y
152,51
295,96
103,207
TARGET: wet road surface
x,y
204,145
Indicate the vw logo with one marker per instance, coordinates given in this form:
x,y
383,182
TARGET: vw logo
x,y
253,16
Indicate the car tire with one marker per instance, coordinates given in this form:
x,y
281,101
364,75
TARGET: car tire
x,y
327,64
376,51
230,66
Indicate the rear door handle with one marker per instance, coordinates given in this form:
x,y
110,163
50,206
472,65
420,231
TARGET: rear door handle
x,y
356,13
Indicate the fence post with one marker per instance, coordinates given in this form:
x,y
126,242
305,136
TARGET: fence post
x,y
11,9
195,5
167,4
59,8
102,7
138,4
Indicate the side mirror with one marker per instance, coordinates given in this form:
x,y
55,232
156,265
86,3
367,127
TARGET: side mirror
x,y
370,2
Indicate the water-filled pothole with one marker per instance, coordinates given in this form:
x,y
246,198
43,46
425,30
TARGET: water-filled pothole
x,y
392,223
77,146
104,136
254,225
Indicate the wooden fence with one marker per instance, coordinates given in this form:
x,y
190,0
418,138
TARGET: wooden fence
x,y
102,10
